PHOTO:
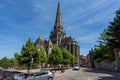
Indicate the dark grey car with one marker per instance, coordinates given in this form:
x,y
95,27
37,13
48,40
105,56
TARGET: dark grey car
x,y
15,76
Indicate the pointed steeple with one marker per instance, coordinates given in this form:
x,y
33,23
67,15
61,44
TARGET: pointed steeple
x,y
58,22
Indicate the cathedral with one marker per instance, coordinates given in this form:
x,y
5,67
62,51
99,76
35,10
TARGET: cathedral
x,y
58,36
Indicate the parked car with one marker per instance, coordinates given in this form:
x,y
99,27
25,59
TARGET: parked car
x,y
1,76
1,73
43,75
15,76
76,67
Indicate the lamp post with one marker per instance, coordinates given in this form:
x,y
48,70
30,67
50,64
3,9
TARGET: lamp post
x,y
32,61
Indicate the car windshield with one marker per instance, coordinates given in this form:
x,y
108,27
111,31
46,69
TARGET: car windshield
x,y
76,66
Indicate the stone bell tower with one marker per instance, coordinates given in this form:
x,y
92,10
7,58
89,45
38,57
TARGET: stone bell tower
x,y
57,35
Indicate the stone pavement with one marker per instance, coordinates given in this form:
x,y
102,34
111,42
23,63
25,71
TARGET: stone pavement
x,y
87,74
58,73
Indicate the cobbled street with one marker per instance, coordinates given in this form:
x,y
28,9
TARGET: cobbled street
x,y
88,74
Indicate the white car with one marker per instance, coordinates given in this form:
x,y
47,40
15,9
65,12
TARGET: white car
x,y
76,67
43,75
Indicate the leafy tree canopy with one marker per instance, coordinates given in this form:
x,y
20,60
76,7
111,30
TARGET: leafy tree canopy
x,y
113,31
55,57
42,55
66,56
29,54
7,63
109,40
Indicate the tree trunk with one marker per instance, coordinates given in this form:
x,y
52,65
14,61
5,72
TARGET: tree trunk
x,y
41,66
28,68
62,68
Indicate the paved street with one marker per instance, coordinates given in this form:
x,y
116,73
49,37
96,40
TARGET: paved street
x,y
88,74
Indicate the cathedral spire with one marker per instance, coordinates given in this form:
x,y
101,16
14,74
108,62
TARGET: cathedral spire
x,y
58,22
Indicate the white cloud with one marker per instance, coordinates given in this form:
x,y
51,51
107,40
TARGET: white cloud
x,y
89,38
84,51
39,7
72,27
100,17
79,13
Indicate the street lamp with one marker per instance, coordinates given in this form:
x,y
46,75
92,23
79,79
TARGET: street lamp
x,y
32,61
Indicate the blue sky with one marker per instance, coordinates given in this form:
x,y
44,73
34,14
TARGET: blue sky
x,y
82,19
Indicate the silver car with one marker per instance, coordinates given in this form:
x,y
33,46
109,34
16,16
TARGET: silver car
x,y
43,75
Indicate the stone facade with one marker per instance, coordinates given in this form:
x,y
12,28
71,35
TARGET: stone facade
x,y
90,61
83,60
39,43
58,36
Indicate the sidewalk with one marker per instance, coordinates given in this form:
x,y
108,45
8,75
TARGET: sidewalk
x,y
57,73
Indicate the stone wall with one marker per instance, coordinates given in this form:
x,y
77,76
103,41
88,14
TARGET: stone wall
x,y
104,65
111,66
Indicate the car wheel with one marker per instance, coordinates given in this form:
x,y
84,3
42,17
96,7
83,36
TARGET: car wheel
x,y
50,78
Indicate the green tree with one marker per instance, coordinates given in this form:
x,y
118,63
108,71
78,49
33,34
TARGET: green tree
x,y
66,56
4,63
55,57
7,63
42,56
73,60
113,31
12,62
103,37
102,53
109,40
28,56
99,52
